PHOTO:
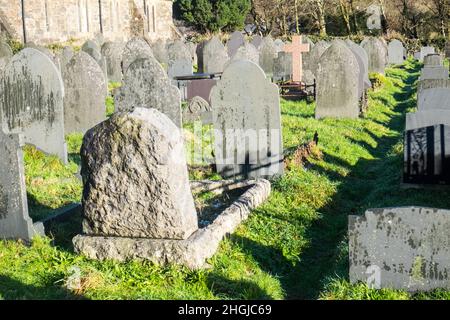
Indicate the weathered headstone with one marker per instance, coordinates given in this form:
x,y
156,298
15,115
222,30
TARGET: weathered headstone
x,y
5,55
396,52
405,248
247,123
93,49
45,51
31,101
311,59
362,54
236,41
267,55
248,52
282,68
159,49
198,109
180,60
296,48
257,41
337,83
15,223
85,88
433,60
377,53
65,56
135,49
135,178
215,56
434,98
192,47
434,73
112,51
147,85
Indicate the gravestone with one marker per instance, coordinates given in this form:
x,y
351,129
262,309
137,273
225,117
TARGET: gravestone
x,y
180,60
15,223
147,85
279,45
427,118
215,56
404,248
160,52
248,52
135,49
434,73
377,54
65,56
93,49
236,41
267,55
5,55
434,98
85,88
337,83
45,51
282,69
296,48
432,83
362,54
112,52
433,60
192,47
424,51
247,123
198,109
396,52
257,41
135,178
31,101
311,61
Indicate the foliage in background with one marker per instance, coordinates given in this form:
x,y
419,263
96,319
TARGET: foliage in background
x,y
214,15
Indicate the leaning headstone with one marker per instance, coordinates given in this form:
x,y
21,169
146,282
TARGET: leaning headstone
x,y
85,88
144,191
215,56
236,41
337,83
112,51
402,248
180,60
396,52
247,123
147,85
377,53
267,55
93,49
31,101
5,55
135,49
257,41
15,223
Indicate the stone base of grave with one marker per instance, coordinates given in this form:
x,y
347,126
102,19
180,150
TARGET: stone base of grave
x,y
195,250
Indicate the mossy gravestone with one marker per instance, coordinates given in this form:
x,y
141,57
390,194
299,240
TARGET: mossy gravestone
x,y
31,101
135,178
401,248
146,84
85,85
338,83
247,123
15,222
135,49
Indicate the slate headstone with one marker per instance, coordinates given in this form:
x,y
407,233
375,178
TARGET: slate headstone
x,y
85,88
337,83
31,103
15,222
135,178
400,248
112,51
247,123
147,85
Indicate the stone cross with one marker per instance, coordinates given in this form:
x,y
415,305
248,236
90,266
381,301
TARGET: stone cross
x,y
296,48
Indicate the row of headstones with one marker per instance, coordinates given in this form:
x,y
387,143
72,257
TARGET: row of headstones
x,y
407,248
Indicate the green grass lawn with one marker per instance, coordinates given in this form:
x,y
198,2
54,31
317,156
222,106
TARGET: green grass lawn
x,y
294,246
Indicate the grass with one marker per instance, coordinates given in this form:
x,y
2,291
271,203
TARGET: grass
x,y
292,247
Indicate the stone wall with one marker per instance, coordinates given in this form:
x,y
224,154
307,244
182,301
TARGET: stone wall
x,y
49,21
